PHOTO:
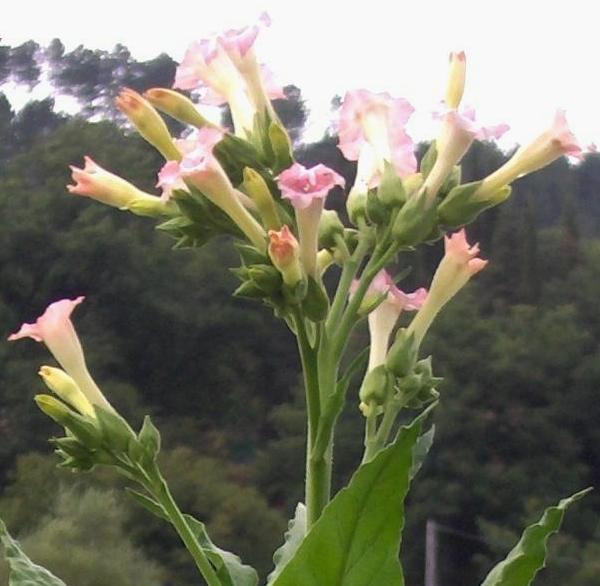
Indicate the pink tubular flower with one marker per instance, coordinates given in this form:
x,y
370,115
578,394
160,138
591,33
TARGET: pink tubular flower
x,y
55,329
375,122
307,190
459,130
459,264
169,179
302,186
201,168
555,142
384,317
197,151
95,182
237,42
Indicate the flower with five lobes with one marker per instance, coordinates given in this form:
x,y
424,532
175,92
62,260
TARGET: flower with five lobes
x,y
307,189
459,130
200,168
385,316
555,142
226,68
371,131
148,122
55,329
284,252
99,184
459,264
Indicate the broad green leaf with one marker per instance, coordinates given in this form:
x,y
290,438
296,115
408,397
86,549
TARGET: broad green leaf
x,y
23,572
293,538
421,450
230,569
529,555
356,541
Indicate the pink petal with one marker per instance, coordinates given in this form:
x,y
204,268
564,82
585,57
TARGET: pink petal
x,y
55,317
301,185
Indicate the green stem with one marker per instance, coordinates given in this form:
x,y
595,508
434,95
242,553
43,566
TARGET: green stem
x,y
318,468
370,435
348,273
163,495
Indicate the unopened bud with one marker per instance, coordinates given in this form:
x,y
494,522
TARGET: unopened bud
x,y
316,302
148,122
356,204
416,220
256,187
60,383
402,356
281,146
284,252
330,227
391,191
177,106
376,386
456,79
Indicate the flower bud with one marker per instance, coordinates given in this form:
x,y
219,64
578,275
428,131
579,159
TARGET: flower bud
x,y
356,204
376,386
391,191
255,186
416,220
330,228
402,356
456,79
281,145
324,260
284,252
148,122
60,383
316,303
177,106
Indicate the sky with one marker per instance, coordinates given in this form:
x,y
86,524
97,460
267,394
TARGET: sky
x,y
525,58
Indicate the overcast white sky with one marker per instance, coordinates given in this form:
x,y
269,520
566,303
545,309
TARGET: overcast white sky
x,y
526,57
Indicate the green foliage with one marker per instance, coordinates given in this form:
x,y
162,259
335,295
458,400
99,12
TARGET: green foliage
x,y
229,567
94,550
293,538
23,572
360,529
529,555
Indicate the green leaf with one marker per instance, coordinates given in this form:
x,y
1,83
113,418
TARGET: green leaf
x,y
356,541
529,555
293,538
229,568
23,572
421,450
148,503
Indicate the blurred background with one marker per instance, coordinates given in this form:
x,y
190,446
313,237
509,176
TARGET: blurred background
x,y
519,422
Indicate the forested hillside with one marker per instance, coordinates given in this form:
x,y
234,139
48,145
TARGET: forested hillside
x,y
220,375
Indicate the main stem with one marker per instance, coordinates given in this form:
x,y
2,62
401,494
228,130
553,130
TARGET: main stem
x,y
318,469
165,498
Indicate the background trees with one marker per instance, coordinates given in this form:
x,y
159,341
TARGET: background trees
x,y
520,351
